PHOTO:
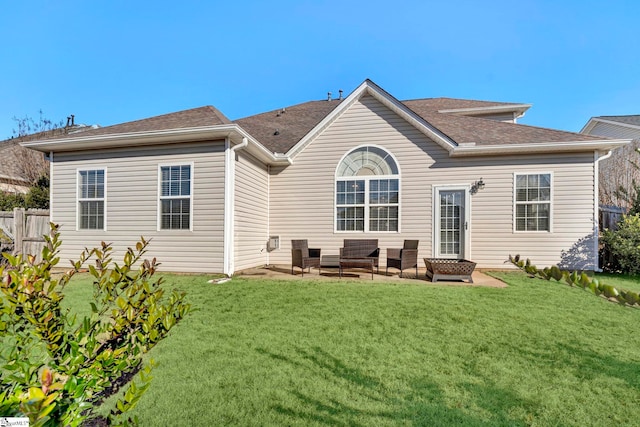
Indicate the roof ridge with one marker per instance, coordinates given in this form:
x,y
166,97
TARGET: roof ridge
x,y
217,112
211,108
484,101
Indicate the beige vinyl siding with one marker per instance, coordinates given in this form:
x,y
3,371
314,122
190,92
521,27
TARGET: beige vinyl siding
x,y
251,212
132,204
302,195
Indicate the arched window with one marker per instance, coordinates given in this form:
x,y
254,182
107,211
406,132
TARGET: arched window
x,y
367,191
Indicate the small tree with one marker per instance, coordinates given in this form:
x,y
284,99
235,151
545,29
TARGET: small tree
x,y
28,125
624,244
31,164
56,368
619,176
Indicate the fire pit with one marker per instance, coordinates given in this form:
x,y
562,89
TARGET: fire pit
x,y
449,269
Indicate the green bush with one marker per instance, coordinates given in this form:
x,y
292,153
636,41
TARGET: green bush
x,y
38,195
36,198
56,369
580,279
9,201
624,244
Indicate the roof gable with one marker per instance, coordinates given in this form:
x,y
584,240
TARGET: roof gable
x,y
371,89
459,133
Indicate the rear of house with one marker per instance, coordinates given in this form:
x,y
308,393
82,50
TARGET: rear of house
x,y
532,204
170,194
461,176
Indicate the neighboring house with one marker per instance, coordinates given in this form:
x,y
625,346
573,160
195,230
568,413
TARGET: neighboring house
x,y
15,164
21,167
461,176
622,168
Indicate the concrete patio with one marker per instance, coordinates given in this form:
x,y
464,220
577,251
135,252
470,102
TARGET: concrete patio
x,y
283,272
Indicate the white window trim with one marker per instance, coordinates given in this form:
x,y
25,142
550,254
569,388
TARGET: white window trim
x,y
80,199
160,198
435,204
513,201
367,205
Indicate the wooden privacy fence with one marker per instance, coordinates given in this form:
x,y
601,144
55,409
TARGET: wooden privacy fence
x,y
609,217
26,229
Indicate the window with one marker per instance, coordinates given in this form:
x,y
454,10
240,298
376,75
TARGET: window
x,y
367,191
91,199
533,202
175,197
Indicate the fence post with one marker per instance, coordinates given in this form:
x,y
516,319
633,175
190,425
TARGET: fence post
x,y
18,230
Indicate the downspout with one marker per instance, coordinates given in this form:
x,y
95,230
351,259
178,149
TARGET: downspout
x,y
229,204
51,185
596,207
268,211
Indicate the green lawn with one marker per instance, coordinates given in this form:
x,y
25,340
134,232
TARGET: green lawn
x,y
303,353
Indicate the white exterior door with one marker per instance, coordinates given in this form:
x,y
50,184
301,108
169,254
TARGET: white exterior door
x,y
451,222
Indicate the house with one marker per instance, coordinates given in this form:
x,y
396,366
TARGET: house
x,y
21,167
17,166
459,175
620,170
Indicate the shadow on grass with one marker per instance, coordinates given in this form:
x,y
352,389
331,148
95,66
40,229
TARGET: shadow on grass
x,y
351,397
585,364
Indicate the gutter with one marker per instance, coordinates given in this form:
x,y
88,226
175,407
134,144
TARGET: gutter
x,y
243,144
515,108
470,149
168,136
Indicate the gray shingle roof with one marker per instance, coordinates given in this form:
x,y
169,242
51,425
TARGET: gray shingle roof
x,y
456,103
464,129
298,120
279,130
195,117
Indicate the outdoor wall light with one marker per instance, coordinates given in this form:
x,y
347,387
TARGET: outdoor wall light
x,y
478,185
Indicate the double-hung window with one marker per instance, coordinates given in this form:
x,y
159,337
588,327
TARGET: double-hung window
x,y
367,191
175,197
91,199
533,202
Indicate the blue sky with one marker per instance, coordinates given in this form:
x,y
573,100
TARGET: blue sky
x,y
109,62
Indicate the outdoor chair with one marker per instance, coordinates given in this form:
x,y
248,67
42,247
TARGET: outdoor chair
x,y
361,249
407,257
304,257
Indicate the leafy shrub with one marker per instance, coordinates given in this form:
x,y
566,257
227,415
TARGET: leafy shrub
x,y
624,243
580,279
36,198
38,195
56,369
9,201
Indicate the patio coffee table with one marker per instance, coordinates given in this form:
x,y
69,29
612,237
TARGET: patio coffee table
x,y
329,261
356,263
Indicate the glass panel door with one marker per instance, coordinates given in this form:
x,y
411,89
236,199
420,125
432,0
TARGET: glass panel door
x,y
450,224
